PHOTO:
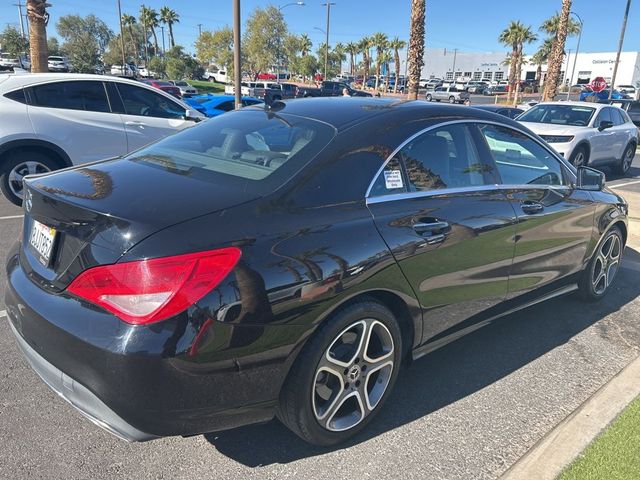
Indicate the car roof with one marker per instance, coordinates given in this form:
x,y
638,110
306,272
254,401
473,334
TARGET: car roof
x,y
27,79
493,108
344,112
573,103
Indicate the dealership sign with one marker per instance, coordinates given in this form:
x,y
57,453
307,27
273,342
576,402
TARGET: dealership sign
x,y
598,84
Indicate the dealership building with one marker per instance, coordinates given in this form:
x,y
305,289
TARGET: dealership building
x,y
449,64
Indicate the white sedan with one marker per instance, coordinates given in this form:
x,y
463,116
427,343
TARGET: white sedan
x,y
586,133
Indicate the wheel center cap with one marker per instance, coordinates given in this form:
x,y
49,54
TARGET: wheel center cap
x,y
354,373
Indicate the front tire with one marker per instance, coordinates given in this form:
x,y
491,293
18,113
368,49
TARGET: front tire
x,y
344,374
429,97
623,167
579,157
603,267
19,164
452,99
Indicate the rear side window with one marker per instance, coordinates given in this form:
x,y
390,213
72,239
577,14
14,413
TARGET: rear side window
x,y
17,95
226,106
76,95
519,159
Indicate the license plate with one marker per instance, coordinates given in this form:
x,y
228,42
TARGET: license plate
x,y
41,241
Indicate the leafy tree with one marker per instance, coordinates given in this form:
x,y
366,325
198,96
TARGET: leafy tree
x,y
38,17
216,47
133,46
180,64
86,40
169,17
396,45
158,66
415,55
264,33
129,21
334,59
54,46
12,41
149,20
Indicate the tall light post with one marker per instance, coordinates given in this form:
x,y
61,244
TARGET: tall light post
x,y
326,50
299,4
122,37
163,49
575,57
622,31
237,73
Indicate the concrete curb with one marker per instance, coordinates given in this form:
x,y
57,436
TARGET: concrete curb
x,y
571,436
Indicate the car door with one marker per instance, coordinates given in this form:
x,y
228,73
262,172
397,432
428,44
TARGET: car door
x,y
76,116
554,220
603,141
621,132
147,115
448,224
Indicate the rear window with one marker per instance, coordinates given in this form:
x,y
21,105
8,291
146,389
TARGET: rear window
x,y
253,150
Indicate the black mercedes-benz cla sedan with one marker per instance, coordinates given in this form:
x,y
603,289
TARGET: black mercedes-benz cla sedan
x,y
285,260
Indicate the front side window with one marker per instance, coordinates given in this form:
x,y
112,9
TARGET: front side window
x,y
76,95
616,116
146,103
519,159
603,116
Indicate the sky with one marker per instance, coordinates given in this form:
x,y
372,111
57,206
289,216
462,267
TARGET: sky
x,y
469,25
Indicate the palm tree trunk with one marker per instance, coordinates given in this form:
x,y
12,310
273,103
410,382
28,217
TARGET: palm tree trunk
x,y
415,53
135,44
352,61
396,61
171,39
512,72
557,54
155,41
37,36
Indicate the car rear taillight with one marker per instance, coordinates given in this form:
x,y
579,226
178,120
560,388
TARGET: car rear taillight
x,y
148,291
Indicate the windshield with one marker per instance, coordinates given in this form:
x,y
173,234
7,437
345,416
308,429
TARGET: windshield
x,y
254,150
573,115
182,84
163,84
55,59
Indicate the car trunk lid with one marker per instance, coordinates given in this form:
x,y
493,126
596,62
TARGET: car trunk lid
x,y
93,214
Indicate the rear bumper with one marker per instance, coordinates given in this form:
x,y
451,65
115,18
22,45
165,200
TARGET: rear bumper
x,y
80,396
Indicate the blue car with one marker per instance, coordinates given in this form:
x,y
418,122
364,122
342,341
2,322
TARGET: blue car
x,y
213,105
603,95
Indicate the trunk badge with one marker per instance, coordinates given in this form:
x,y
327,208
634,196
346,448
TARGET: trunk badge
x,y
28,200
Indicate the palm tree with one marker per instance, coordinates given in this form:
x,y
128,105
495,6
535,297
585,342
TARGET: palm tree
x,y
551,25
149,19
541,57
305,44
415,55
381,43
557,53
515,36
169,17
352,49
364,45
37,13
129,21
396,44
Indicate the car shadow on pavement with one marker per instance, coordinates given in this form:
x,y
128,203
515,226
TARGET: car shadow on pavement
x,y
633,172
450,373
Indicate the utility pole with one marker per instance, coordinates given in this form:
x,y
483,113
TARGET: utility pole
x,y
146,39
455,54
622,31
326,50
163,49
199,30
237,67
121,38
20,5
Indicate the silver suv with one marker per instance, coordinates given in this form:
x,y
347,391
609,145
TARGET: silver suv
x,y
451,94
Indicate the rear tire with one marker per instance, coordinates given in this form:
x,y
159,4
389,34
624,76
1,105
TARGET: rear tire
x,y
342,377
602,268
452,99
429,98
19,164
579,157
624,165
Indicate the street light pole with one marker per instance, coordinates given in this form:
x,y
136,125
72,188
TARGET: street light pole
x,y
122,38
279,53
326,50
622,31
237,67
575,57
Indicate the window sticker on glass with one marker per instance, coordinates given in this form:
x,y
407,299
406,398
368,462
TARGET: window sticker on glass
x,y
393,179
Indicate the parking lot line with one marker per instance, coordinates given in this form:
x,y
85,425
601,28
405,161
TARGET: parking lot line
x,y
624,184
3,313
9,217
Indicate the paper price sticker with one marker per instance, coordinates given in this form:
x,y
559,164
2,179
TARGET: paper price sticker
x,y
393,179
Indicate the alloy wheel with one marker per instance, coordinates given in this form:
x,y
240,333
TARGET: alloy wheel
x,y
606,264
18,172
627,160
578,160
353,375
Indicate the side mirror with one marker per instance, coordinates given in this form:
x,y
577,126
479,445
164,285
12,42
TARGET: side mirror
x,y
604,124
590,179
190,116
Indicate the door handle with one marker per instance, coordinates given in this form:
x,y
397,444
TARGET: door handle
x,y
434,232
531,208
135,124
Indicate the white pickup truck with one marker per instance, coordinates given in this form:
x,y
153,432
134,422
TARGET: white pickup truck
x,y
248,88
219,76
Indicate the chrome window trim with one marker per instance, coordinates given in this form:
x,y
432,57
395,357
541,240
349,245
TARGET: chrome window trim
x,y
536,139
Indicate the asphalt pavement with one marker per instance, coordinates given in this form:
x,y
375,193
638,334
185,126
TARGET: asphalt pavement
x,y
468,410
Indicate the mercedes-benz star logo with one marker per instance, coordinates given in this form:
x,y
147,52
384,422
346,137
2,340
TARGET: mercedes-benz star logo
x,y
354,373
28,200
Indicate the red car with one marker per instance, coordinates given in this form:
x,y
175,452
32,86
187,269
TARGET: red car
x,y
165,86
267,76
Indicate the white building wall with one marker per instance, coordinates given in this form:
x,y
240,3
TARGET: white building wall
x,y
440,63
591,65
